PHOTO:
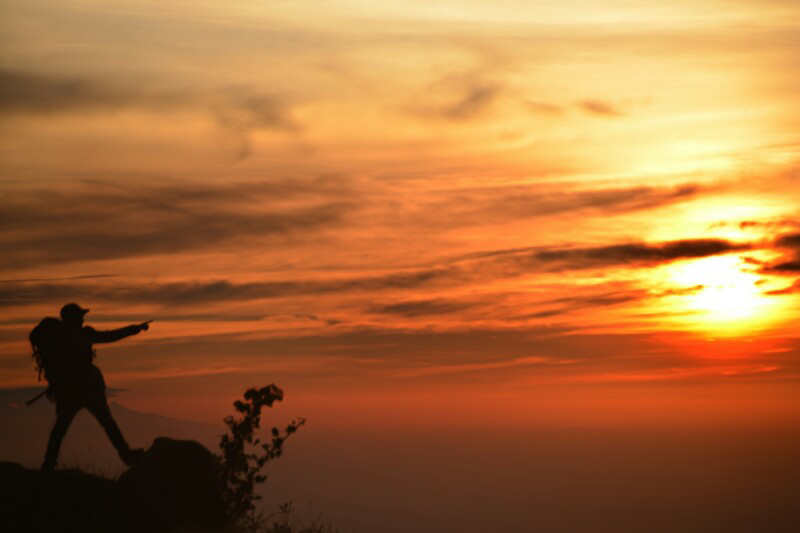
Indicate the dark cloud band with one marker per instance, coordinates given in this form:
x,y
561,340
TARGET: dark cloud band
x,y
492,266
100,221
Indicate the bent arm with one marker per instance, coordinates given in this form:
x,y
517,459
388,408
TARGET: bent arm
x,y
113,335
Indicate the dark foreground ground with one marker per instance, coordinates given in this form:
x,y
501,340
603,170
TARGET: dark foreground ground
x,y
174,488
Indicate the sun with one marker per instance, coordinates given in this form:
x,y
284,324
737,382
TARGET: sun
x,y
722,294
725,290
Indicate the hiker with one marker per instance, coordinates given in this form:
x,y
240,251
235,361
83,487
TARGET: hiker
x,y
64,352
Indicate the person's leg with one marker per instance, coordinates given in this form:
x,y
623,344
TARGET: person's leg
x,y
98,406
65,413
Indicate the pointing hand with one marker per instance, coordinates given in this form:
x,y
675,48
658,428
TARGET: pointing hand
x,y
144,326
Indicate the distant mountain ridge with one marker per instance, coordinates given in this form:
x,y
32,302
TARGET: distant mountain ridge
x,y
26,429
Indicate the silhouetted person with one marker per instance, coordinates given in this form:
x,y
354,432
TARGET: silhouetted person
x,y
74,382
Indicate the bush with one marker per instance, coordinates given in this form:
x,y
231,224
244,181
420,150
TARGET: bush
x,y
244,456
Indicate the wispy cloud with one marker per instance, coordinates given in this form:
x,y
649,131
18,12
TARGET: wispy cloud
x,y
791,289
760,224
187,293
620,254
67,278
172,316
457,97
27,92
101,220
493,205
238,110
783,267
561,306
791,240
594,298
96,221
475,269
627,254
475,99
680,374
437,370
544,108
600,108
417,308
788,265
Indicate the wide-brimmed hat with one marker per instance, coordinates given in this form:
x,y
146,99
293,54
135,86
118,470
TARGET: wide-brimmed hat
x,y
72,310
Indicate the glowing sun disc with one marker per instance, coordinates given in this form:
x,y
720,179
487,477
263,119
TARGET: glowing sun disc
x,y
727,299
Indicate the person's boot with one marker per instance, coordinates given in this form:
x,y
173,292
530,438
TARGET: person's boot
x,y
131,456
48,466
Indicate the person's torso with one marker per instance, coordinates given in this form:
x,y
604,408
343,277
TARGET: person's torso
x,y
77,350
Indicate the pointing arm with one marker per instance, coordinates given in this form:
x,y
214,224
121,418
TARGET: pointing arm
x,y
112,335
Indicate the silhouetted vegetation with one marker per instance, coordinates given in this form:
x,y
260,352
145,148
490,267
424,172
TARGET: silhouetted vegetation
x,y
284,522
244,456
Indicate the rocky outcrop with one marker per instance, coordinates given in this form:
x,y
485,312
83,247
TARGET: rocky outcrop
x,y
176,487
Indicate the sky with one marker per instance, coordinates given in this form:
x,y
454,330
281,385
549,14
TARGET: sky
x,y
455,213
545,255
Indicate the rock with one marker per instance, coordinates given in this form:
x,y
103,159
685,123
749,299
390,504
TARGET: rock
x,y
175,486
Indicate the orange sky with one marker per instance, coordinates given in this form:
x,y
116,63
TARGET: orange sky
x,y
554,212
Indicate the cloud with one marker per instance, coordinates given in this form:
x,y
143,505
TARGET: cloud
x,y
435,370
86,276
189,293
554,352
239,110
599,108
568,304
35,93
244,111
100,317
599,300
544,108
390,353
493,205
24,92
475,99
621,254
786,266
628,254
679,374
748,224
456,97
103,220
791,240
791,289
417,308
479,268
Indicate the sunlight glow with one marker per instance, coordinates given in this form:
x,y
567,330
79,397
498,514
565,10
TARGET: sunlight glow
x,y
728,300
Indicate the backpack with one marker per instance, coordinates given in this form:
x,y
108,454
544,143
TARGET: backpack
x,y
47,340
